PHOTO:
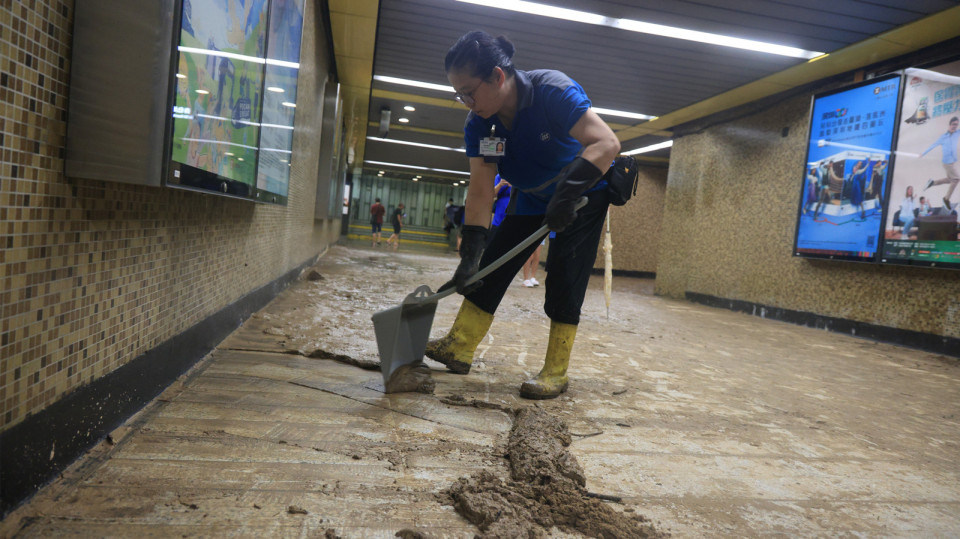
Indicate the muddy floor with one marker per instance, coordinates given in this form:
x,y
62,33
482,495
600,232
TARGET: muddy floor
x,y
680,419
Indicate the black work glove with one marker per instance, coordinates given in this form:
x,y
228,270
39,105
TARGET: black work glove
x,y
471,247
575,179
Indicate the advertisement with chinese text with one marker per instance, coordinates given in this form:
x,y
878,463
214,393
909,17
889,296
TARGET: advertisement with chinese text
x,y
845,172
921,225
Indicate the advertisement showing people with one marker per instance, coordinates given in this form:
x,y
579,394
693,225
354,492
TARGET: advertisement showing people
x,y
851,137
921,225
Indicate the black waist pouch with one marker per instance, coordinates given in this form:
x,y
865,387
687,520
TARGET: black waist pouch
x,y
622,179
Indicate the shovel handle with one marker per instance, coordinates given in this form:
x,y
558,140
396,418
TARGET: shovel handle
x,y
532,238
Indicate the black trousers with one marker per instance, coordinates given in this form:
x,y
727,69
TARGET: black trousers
x,y
569,262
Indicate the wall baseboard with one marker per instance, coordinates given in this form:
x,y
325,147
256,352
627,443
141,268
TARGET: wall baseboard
x,y
938,344
34,451
628,273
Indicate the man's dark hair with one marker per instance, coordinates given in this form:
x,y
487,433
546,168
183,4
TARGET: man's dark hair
x,y
376,200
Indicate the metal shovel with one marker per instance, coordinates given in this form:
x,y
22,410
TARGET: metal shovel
x,y
403,331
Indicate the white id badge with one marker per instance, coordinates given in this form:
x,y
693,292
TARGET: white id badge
x,y
492,148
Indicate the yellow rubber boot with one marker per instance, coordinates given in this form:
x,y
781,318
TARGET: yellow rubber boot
x,y
456,348
552,380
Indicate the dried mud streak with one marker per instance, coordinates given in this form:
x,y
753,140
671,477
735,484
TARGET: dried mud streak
x,y
319,353
546,489
459,400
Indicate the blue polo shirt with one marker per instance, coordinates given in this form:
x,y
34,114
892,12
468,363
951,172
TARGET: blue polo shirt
x,y
549,103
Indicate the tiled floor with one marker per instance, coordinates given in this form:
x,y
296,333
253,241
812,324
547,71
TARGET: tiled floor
x,y
711,423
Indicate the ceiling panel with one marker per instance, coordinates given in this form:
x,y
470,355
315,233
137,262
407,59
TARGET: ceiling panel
x,y
620,69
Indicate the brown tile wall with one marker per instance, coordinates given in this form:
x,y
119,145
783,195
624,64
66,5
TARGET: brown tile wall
x,y
94,274
728,229
635,226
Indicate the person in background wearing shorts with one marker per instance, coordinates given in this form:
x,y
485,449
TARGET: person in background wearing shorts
x,y
397,222
377,212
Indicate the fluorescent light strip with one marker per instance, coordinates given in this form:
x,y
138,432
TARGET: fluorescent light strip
x,y
418,144
242,57
623,114
651,148
431,86
418,168
545,10
418,84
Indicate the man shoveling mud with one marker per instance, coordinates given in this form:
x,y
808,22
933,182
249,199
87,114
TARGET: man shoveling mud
x,y
536,128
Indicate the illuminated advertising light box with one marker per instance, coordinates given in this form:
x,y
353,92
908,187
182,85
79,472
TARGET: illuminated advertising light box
x,y
235,95
845,173
921,226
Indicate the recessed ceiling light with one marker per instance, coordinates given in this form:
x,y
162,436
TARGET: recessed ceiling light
x,y
181,76
622,114
404,120
651,148
289,104
545,10
229,153
277,89
239,159
409,108
203,92
416,179
381,172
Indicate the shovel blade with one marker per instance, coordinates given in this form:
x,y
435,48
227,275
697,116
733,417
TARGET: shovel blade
x,y
402,334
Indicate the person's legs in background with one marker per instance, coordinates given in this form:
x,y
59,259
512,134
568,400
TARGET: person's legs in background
x,y
530,268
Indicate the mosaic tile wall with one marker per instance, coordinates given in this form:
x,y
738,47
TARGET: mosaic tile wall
x,y
94,274
728,229
635,226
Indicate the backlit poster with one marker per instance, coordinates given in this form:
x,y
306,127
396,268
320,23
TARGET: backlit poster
x,y
846,170
217,106
921,224
279,100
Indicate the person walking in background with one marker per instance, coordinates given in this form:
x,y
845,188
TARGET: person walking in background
x,y
530,268
555,149
948,147
377,211
397,222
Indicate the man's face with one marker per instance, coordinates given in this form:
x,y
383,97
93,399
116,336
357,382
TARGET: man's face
x,y
953,125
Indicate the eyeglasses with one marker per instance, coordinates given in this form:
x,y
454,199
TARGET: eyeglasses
x,y
467,97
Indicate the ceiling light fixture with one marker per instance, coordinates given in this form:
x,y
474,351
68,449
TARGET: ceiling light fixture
x,y
289,104
623,114
545,10
418,144
409,108
431,86
417,168
403,120
651,148
277,89
418,84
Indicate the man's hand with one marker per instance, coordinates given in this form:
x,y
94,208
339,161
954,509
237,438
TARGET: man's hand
x,y
575,179
471,248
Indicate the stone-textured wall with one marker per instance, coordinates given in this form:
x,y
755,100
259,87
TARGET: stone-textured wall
x,y
635,226
94,274
729,219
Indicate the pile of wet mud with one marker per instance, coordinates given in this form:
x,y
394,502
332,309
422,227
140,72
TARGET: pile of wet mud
x,y
546,489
